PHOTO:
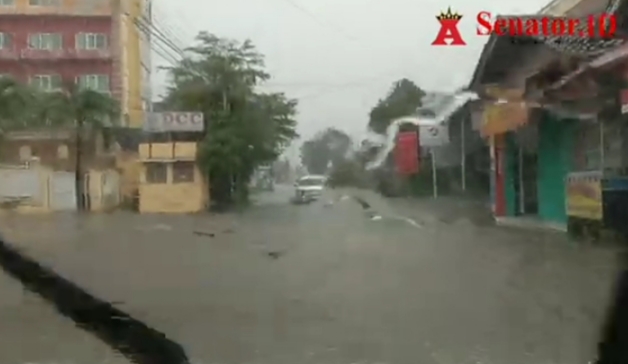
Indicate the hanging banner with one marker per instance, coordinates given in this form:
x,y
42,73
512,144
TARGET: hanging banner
x,y
500,118
407,153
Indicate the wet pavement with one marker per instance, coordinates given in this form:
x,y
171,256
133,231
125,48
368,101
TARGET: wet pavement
x,y
324,283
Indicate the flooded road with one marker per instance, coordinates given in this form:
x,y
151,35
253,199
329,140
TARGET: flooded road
x,y
323,283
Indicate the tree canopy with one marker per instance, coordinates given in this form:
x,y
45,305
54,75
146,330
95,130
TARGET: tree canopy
x,y
245,128
403,99
328,146
15,100
23,107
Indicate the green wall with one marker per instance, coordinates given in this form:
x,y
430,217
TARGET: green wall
x,y
556,138
556,142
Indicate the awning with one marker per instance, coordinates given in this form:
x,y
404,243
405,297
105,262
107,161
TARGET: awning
x,y
614,55
607,59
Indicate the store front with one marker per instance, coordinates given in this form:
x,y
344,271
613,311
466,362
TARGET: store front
x,y
531,163
522,162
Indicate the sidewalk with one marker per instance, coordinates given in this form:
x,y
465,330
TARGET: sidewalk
x,y
427,211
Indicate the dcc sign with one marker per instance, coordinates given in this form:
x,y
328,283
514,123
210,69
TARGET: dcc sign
x,y
174,121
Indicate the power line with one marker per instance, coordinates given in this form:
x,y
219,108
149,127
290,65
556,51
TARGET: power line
x,y
160,44
322,22
186,21
160,48
174,32
168,33
165,47
150,27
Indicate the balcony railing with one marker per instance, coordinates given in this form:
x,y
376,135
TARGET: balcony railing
x,y
83,8
9,54
72,53
89,53
168,151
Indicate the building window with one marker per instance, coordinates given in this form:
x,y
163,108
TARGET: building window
x,y
6,40
183,172
156,172
91,41
46,82
44,2
94,82
48,41
7,2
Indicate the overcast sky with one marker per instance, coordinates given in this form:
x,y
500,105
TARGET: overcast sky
x,y
338,57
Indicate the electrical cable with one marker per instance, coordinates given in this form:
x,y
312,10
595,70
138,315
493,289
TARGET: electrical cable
x,y
324,23
155,32
176,32
167,47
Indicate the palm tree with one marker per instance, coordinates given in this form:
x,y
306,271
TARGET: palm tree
x,y
84,110
16,101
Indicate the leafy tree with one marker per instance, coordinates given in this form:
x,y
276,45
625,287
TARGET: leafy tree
x,y
244,128
282,170
327,147
348,172
403,99
314,156
82,109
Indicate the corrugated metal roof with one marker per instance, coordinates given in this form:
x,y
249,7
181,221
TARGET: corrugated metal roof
x,y
578,44
575,46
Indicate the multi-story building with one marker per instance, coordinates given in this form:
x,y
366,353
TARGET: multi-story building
x,y
100,44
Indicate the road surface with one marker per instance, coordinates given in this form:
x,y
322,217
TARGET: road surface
x,y
324,283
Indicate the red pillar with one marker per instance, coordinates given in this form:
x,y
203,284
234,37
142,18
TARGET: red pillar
x,y
500,190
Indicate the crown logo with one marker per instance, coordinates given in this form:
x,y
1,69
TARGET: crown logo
x,y
449,15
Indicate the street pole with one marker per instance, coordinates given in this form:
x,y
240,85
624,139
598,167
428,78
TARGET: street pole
x,y
463,156
434,179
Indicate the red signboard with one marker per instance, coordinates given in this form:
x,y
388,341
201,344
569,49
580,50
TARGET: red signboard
x,y
407,153
624,101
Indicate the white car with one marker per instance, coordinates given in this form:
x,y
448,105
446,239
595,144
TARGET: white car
x,y
309,188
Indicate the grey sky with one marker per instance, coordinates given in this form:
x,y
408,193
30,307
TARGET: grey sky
x,y
342,58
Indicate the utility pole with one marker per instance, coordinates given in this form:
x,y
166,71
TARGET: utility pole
x,y
232,177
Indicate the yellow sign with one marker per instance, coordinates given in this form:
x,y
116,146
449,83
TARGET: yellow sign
x,y
584,198
500,118
510,94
